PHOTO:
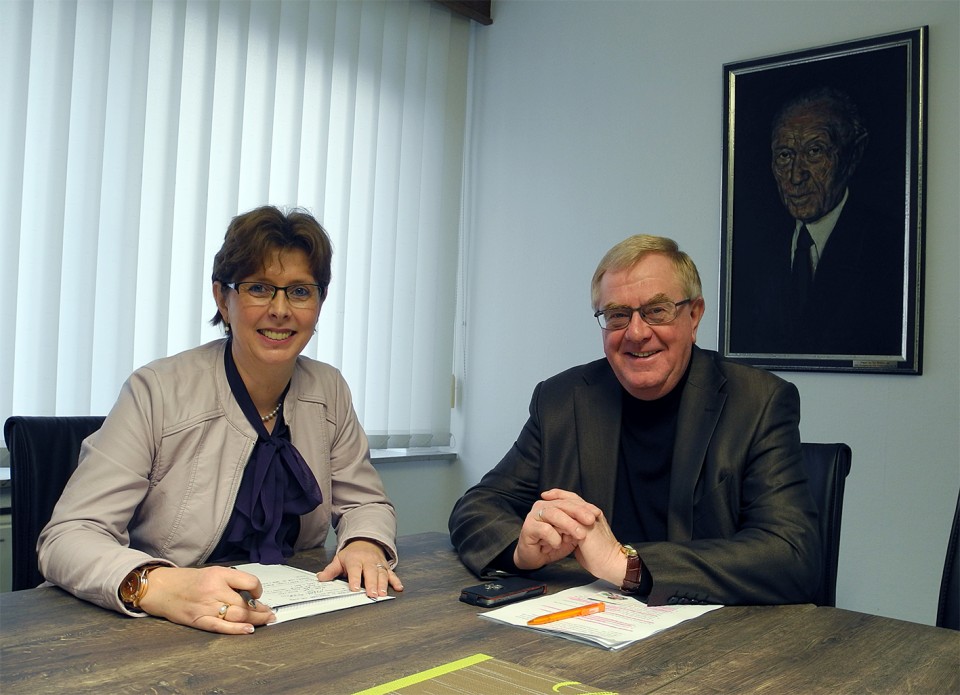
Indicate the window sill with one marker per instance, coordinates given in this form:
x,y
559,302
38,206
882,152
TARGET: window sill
x,y
425,453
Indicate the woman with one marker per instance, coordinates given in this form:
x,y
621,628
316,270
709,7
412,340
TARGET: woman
x,y
240,450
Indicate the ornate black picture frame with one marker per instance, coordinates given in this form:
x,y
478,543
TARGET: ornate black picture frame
x,y
826,146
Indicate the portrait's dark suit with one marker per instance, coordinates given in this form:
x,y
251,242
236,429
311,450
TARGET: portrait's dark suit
x,y
741,526
855,305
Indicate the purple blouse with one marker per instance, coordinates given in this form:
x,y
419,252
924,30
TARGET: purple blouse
x,y
276,489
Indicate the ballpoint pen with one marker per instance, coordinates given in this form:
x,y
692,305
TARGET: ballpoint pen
x,y
246,596
588,609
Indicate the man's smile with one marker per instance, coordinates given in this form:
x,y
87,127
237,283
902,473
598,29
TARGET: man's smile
x,y
641,355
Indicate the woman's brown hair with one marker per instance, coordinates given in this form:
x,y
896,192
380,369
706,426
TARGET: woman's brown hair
x,y
253,236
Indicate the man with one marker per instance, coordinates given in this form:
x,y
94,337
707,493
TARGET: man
x,y
691,460
829,280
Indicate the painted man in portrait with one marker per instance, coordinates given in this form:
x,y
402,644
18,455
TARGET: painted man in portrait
x,y
824,276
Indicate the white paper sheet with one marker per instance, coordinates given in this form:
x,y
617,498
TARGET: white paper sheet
x,y
624,620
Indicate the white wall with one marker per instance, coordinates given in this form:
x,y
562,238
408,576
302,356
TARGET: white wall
x,y
596,120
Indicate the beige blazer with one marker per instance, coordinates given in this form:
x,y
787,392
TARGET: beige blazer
x,y
158,481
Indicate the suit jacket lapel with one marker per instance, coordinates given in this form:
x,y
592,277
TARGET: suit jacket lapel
x,y
700,408
598,407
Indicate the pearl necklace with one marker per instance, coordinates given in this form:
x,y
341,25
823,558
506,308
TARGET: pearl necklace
x,y
272,414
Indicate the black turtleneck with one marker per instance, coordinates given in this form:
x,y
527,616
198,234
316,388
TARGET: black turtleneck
x,y
647,433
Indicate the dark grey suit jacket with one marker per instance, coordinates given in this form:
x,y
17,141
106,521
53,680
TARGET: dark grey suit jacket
x,y
741,527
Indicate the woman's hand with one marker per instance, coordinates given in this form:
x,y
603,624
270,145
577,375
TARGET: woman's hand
x,y
206,599
363,562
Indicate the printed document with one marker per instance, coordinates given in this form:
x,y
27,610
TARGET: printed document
x,y
623,621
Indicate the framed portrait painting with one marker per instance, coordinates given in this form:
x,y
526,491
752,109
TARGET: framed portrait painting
x,y
823,207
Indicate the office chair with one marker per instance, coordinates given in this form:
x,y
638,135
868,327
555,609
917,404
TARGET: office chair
x,y
43,455
827,467
948,608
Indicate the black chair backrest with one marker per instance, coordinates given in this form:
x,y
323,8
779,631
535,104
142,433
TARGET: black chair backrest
x,y
43,455
948,609
827,467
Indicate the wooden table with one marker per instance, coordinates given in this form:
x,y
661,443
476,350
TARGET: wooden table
x,y
51,642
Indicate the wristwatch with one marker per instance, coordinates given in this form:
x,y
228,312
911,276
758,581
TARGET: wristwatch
x,y
631,580
134,586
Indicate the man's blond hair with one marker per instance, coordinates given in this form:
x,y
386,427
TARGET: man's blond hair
x,y
632,250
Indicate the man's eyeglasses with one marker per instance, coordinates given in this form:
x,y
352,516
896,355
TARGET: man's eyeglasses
x,y
615,318
305,296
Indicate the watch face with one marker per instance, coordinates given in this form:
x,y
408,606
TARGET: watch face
x,y
130,586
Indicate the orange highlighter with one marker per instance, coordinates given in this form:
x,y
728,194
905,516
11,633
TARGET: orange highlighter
x,y
587,609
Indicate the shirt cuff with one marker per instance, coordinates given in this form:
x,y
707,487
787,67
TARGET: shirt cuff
x,y
503,563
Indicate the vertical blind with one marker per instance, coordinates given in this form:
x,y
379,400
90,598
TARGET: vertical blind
x,y
132,132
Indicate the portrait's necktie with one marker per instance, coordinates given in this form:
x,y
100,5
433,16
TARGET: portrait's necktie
x,y
802,269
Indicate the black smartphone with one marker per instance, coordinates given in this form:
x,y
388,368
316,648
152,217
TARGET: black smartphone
x,y
497,592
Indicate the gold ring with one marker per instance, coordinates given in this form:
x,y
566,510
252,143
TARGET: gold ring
x,y
540,514
380,567
223,611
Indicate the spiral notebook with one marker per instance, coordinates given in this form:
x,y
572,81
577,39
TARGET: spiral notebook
x,y
294,593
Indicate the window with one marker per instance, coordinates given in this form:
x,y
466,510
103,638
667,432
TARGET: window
x,y
134,131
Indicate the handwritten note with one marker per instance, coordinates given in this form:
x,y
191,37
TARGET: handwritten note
x,y
294,593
